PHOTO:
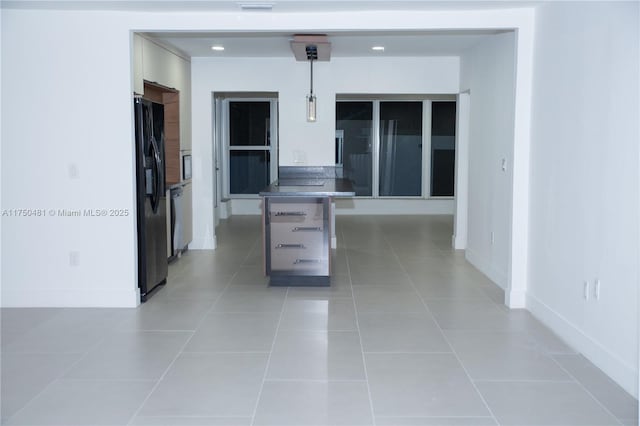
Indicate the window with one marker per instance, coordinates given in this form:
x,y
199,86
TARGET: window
x,y
400,149
250,145
382,147
443,148
354,144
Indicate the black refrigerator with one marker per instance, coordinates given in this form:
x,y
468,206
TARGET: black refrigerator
x,y
151,198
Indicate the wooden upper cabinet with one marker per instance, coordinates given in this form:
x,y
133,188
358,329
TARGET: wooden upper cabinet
x,y
155,65
170,98
172,136
154,92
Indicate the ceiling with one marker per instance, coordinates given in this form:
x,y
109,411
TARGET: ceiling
x,y
275,5
276,44
343,44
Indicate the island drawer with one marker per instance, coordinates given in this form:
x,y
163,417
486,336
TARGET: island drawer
x,y
302,231
299,260
296,213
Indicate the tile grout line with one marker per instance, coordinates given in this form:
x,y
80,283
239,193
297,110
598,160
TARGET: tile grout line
x,y
59,377
364,361
396,251
266,368
180,352
572,378
569,380
316,380
439,417
587,390
453,351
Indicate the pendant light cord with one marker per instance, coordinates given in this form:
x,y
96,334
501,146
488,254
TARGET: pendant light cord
x,y
311,76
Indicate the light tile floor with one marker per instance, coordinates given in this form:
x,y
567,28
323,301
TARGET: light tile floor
x,y
408,334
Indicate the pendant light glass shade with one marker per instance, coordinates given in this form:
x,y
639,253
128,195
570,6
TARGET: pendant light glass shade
x,y
311,108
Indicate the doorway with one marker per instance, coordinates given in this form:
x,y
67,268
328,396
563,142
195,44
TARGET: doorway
x,y
246,149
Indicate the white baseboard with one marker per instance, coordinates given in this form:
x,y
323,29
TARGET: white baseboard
x,y
515,299
204,243
245,206
225,209
357,206
624,374
458,242
70,298
484,266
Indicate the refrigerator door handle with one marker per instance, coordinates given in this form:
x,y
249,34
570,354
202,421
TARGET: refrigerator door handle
x,y
155,197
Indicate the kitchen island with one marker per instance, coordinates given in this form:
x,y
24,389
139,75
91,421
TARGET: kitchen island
x,y
298,221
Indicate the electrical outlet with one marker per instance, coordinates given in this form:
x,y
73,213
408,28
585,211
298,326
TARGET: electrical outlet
x,y
299,157
586,290
74,258
596,289
74,173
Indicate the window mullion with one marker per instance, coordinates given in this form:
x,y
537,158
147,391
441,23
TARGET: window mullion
x,y
375,155
426,149
273,148
225,152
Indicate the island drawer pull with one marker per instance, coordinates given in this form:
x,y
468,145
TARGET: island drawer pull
x,y
306,229
290,246
291,213
298,261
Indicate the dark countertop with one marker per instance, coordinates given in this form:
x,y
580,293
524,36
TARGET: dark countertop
x,y
316,187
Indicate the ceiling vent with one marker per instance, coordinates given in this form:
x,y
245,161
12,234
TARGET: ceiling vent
x,y
308,47
255,6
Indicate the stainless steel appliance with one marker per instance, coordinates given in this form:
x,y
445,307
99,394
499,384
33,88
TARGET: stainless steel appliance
x,y
181,225
177,221
151,198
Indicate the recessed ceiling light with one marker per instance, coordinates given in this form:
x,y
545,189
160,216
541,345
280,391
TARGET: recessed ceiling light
x,y
217,48
378,48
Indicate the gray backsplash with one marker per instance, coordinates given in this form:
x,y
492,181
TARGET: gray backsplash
x,y
308,172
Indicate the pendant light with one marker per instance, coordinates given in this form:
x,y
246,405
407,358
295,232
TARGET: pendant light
x,y
312,55
311,48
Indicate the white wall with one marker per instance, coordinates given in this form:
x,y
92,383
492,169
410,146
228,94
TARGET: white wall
x,y
67,144
367,206
1,156
488,72
584,180
314,142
